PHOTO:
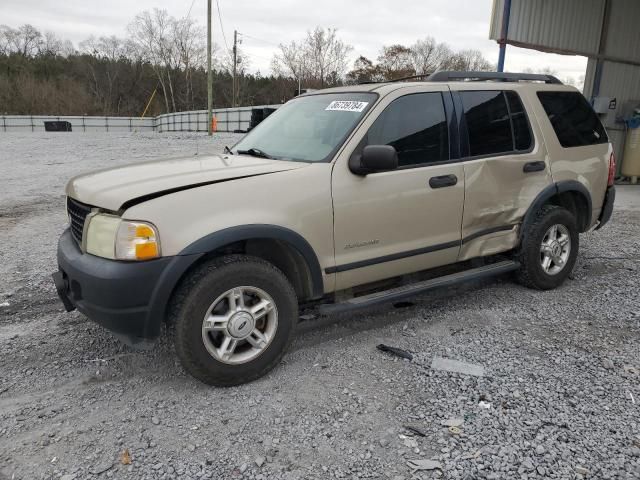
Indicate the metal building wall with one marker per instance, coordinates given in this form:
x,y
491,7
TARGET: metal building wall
x,y
561,26
622,82
606,31
623,32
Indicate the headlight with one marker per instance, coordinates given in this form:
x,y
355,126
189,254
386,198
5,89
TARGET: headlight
x,y
109,236
137,241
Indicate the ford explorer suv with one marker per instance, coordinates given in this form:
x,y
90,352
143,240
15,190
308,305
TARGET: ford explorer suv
x,y
343,198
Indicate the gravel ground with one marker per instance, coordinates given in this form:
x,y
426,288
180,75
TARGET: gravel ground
x,y
561,381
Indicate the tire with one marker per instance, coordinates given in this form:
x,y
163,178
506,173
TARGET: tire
x,y
209,292
532,272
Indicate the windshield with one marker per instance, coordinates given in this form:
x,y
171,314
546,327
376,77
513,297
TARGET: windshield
x,y
309,128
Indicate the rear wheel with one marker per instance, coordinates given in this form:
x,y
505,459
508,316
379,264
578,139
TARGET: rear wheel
x,y
234,319
549,249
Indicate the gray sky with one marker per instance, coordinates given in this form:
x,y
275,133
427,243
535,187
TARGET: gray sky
x,y
365,24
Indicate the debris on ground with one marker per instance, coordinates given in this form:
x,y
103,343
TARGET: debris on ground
x,y
395,351
409,442
416,430
483,404
455,366
125,457
453,422
582,470
423,464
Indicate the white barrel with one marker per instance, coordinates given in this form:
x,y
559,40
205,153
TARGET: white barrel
x,y
631,159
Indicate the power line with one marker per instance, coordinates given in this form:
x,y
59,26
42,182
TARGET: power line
x,y
190,8
259,39
245,53
224,37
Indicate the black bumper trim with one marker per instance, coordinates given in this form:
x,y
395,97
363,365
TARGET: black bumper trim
x,y
128,298
607,207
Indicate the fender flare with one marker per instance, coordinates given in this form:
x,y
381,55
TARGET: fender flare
x,y
180,263
230,235
553,190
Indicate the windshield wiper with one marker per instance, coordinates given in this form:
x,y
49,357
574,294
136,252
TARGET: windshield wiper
x,y
254,152
227,150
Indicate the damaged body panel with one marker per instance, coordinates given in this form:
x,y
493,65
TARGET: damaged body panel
x,y
112,188
342,199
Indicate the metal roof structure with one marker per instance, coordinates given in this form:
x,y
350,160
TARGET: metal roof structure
x,y
605,31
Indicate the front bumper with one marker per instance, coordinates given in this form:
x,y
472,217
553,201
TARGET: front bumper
x,y
127,298
607,207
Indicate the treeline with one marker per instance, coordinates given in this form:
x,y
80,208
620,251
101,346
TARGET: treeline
x,y
82,84
41,73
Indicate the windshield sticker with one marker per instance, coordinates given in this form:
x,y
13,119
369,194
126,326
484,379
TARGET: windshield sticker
x,y
346,106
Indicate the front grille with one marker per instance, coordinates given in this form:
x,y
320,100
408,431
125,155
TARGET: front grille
x,y
77,214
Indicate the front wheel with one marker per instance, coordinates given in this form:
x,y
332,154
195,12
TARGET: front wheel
x,y
234,318
549,249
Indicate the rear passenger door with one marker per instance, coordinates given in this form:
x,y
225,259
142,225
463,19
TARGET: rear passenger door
x,y
505,167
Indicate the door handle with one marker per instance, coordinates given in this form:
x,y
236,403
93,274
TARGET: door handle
x,y
534,166
443,181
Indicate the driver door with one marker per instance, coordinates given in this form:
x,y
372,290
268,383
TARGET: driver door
x,y
405,220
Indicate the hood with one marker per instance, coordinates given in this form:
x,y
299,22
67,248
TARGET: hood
x,y
119,187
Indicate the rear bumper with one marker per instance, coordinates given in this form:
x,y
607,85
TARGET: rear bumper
x,y
128,298
607,206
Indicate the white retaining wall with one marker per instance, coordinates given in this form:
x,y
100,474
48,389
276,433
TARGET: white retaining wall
x,y
35,123
229,119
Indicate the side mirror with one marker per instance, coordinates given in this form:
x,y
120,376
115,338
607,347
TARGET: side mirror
x,y
374,158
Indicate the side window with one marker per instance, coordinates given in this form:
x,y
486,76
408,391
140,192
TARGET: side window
x,y
573,119
416,126
521,131
488,122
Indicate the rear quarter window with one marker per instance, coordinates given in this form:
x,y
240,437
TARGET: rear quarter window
x,y
573,119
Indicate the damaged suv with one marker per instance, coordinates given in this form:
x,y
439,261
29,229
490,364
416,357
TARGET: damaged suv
x,y
343,198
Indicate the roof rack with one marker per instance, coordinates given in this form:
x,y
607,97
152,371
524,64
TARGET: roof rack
x,y
447,76
402,79
411,77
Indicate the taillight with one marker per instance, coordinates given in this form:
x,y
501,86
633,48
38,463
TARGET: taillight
x,y
612,170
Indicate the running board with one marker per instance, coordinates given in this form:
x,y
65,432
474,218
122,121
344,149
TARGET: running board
x,y
405,291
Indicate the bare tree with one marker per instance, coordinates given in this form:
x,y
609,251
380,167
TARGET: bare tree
x,y
27,41
470,60
189,50
104,64
171,46
291,61
395,62
364,70
320,59
151,34
5,34
428,55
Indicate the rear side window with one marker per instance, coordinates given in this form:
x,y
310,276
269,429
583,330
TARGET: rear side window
x,y
416,126
496,122
573,119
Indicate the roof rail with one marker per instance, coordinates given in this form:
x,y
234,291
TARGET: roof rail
x,y
402,79
446,76
411,77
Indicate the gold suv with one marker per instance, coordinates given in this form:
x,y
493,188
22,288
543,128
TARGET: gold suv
x,y
343,198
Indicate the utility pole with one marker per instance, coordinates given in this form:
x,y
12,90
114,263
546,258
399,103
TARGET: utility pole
x,y
209,72
235,63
